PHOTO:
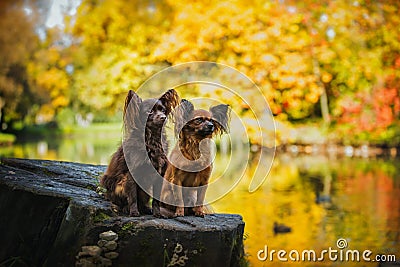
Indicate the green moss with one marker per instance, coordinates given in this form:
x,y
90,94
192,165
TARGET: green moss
x,y
100,217
91,187
129,229
128,226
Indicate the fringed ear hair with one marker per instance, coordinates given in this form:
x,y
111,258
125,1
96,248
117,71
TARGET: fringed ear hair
x,y
182,115
131,111
221,115
170,100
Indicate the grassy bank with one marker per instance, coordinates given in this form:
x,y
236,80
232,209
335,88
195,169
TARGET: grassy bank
x,y
7,139
37,132
285,134
99,128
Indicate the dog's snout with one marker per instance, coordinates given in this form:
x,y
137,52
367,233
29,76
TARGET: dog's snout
x,y
210,126
162,116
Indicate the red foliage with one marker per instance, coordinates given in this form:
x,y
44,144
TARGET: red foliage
x,y
373,112
397,63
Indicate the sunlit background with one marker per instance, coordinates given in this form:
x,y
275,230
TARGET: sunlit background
x,y
330,71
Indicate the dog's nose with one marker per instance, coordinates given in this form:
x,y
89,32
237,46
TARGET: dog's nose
x,y
210,126
162,116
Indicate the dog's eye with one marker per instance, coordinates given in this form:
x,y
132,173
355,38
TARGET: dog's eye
x,y
199,120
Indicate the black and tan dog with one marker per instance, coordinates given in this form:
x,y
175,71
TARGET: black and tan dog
x,y
190,162
142,155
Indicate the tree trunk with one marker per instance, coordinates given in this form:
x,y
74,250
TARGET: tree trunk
x,y
324,107
2,103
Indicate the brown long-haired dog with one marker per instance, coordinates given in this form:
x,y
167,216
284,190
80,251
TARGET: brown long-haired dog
x,y
142,155
190,162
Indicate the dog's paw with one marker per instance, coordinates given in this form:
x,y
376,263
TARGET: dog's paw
x,y
134,213
198,212
157,214
156,211
180,211
124,210
166,213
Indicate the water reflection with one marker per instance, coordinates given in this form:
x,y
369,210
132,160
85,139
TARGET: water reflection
x,y
84,149
321,199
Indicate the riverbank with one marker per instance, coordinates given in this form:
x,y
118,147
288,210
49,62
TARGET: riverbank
x,y
7,139
334,150
52,131
304,139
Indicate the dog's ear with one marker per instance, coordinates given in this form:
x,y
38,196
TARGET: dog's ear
x,y
131,111
182,115
170,100
221,115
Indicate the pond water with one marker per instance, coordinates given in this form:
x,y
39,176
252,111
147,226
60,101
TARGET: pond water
x,y
321,199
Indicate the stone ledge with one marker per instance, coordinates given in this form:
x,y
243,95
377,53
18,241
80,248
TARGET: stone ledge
x,y
50,209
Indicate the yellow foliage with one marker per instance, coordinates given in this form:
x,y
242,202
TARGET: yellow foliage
x,y
46,114
244,37
53,80
326,77
60,101
294,63
312,97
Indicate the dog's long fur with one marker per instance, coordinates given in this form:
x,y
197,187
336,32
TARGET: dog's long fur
x,y
145,153
191,127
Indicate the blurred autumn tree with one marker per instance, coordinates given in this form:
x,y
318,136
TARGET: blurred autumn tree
x,y
34,84
262,39
309,58
357,46
49,77
17,43
113,41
